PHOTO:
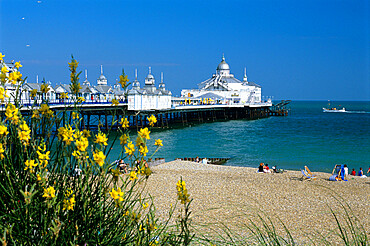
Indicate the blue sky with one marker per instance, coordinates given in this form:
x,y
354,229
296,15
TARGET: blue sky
x,y
305,50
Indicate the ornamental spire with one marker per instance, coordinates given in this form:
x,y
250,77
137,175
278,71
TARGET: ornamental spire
x,y
135,73
101,69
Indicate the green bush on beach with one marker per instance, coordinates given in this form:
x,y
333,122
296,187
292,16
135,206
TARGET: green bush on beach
x,y
44,201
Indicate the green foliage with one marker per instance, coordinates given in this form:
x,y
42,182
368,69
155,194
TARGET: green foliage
x,y
45,202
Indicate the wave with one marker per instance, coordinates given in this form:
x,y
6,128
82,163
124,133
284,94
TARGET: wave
x,y
358,112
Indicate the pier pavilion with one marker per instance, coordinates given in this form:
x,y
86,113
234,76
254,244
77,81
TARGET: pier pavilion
x,y
223,86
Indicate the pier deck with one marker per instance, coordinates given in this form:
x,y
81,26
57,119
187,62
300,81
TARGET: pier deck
x,y
105,114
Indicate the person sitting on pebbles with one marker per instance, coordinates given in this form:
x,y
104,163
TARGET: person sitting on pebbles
x,y
260,168
266,169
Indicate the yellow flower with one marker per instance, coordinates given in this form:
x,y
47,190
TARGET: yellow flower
x,y
76,153
143,150
67,134
139,141
24,133
45,110
116,194
101,139
152,120
158,143
61,131
4,69
15,76
123,139
30,164
133,175
82,144
69,202
24,136
43,157
80,99
18,65
144,133
75,115
35,114
3,130
44,88
145,205
2,151
42,147
115,102
130,148
123,79
77,134
124,122
3,94
73,65
99,157
23,126
86,133
64,95
182,192
33,92
49,193
11,113
1,56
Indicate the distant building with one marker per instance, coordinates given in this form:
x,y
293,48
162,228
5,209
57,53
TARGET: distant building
x,y
28,87
102,80
223,86
149,97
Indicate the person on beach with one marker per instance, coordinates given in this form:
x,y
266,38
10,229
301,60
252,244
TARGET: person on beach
x,y
353,173
260,168
266,169
368,171
361,173
122,166
204,161
197,159
345,171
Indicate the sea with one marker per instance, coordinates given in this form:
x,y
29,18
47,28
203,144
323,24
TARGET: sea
x,y
307,136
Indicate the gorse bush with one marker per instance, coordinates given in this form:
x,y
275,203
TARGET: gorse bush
x,y
56,185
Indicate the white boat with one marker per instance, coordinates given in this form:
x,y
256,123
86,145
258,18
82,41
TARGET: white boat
x,y
334,110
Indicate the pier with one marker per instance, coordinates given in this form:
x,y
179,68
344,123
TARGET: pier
x,y
107,115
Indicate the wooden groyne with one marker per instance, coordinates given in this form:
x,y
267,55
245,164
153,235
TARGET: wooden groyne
x,y
214,161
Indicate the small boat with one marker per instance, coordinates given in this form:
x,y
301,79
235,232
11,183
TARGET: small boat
x,y
334,110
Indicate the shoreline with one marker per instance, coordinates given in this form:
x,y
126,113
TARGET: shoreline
x,y
210,167
234,195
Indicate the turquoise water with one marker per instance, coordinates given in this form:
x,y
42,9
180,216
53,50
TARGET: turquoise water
x,y
306,137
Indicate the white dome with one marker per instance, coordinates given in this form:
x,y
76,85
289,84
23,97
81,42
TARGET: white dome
x,y
223,68
150,76
102,77
223,65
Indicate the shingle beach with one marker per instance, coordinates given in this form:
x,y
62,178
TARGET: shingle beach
x,y
234,195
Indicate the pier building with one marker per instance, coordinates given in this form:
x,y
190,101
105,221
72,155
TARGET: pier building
x,y
225,88
149,97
